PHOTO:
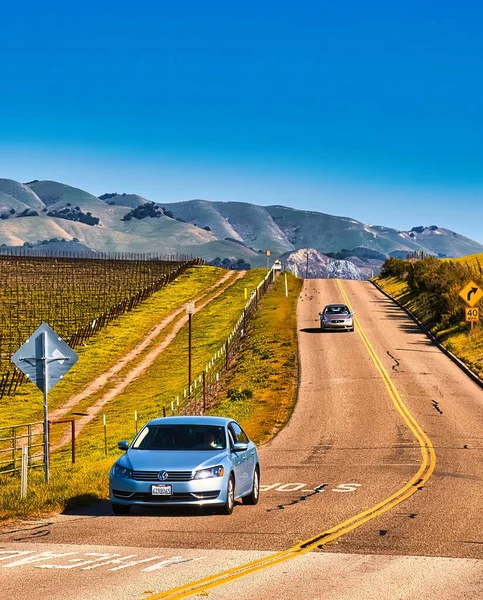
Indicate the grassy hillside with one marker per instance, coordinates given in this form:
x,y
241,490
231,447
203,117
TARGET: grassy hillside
x,y
21,193
102,351
260,390
277,228
429,288
86,481
473,261
7,203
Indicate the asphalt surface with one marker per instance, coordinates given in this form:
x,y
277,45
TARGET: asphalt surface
x,y
345,449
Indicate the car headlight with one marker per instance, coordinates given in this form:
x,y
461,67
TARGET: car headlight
x,y
119,471
207,473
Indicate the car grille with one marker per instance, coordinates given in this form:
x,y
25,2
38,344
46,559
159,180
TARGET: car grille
x,y
337,321
153,475
146,497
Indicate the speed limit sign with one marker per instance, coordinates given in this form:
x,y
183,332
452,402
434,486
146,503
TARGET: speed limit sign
x,y
472,315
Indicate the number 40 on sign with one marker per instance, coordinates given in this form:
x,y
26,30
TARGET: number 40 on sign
x,y
472,315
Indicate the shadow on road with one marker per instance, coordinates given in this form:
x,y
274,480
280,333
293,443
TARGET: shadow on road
x,y
103,509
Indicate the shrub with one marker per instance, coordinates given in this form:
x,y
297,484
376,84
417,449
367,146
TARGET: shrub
x,y
235,395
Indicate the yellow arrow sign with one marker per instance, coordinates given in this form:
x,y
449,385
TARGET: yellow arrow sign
x,y
471,293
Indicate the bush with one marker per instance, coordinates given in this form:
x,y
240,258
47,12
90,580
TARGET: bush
x,y
395,267
72,214
149,209
437,282
234,395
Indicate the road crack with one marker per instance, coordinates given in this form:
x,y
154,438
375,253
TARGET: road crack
x,y
395,367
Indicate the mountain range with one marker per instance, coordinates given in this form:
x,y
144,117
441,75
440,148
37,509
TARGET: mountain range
x,y
37,211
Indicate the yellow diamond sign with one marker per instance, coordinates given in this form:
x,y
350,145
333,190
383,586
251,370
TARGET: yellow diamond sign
x,y
471,293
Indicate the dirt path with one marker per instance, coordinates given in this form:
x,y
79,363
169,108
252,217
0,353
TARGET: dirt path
x,y
136,371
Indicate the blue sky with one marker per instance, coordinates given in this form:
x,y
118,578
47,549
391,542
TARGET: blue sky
x,y
370,110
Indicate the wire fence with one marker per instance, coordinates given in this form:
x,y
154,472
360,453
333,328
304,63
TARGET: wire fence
x,y
203,391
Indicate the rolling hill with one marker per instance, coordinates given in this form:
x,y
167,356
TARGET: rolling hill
x,y
207,229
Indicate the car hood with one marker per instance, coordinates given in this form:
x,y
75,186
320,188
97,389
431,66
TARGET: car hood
x,y
336,317
157,460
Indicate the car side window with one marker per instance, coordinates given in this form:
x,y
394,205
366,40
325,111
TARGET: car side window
x,y
238,433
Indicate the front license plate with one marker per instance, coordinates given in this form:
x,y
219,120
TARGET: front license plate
x,y
161,490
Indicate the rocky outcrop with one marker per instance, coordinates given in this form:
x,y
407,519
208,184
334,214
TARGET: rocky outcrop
x,y
308,262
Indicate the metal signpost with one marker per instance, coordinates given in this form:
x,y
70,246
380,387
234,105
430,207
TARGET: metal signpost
x,y
45,358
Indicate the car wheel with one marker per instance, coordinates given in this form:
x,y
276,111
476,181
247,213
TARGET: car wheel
x,y
254,495
120,509
227,508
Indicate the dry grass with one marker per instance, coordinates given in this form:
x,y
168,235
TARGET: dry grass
x,y
260,391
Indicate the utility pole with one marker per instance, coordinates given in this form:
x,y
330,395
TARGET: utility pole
x,y
190,309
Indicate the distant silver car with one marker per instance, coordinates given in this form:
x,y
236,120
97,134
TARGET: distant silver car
x,y
206,461
337,316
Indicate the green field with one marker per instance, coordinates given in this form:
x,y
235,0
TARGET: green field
x,y
102,351
69,294
86,481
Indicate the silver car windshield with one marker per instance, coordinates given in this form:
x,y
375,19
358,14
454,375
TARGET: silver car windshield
x,y
180,437
337,310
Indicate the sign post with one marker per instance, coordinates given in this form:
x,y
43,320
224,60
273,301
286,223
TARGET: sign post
x,y
45,358
45,362
190,309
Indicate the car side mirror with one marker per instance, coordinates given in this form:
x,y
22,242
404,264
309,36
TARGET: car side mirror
x,y
123,445
239,447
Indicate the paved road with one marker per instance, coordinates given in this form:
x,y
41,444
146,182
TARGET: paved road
x,y
345,449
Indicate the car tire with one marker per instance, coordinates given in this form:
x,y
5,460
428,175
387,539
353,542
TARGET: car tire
x,y
120,509
254,495
227,508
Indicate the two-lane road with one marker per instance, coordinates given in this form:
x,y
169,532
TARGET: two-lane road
x,y
346,450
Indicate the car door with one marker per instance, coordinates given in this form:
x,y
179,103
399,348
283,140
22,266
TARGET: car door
x,y
243,462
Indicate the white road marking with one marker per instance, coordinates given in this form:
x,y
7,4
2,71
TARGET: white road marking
x,y
87,561
347,487
297,486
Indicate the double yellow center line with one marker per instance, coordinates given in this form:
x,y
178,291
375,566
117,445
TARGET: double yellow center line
x,y
428,463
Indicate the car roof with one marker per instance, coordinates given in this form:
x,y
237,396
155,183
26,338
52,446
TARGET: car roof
x,y
191,420
336,306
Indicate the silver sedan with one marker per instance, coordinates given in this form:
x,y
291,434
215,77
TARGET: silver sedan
x,y
207,461
337,316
